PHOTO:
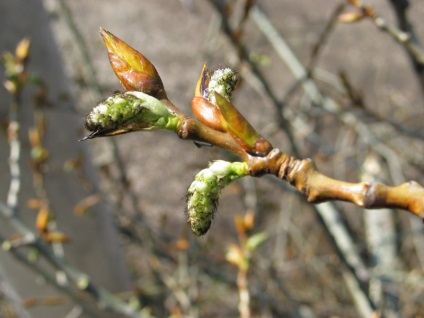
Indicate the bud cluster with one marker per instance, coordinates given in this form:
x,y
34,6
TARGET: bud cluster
x,y
203,193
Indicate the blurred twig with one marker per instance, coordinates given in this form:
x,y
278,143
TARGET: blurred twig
x,y
10,302
326,211
124,188
380,232
322,40
35,267
243,55
16,79
404,35
134,226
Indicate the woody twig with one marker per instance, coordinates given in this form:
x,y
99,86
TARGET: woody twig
x,y
145,106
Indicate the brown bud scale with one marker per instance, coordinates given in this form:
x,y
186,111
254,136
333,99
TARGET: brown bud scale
x,y
207,113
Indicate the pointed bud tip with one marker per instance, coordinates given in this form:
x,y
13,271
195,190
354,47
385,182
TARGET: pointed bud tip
x,y
203,82
241,130
133,69
104,32
109,39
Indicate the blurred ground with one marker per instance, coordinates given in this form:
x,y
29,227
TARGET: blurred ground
x,y
178,37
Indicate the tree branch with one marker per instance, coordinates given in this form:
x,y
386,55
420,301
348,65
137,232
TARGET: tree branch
x,y
317,187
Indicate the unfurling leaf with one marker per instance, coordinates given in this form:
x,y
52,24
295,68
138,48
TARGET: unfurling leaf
x,y
255,240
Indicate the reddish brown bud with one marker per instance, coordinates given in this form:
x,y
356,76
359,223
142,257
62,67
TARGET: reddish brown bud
x,y
207,113
203,109
262,147
135,71
241,130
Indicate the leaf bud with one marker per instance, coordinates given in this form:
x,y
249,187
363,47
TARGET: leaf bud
x,y
133,69
206,112
241,130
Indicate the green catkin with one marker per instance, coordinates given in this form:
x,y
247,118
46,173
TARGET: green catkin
x,y
203,193
223,81
129,111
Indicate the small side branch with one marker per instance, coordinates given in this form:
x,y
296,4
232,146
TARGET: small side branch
x,y
404,34
15,151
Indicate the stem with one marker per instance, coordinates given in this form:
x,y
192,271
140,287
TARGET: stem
x,y
15,150
37,269
192,129
305,177
317,187
244,302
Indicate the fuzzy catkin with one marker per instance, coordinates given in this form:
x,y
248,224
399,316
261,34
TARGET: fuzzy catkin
x,y
203,193
129,111
223,81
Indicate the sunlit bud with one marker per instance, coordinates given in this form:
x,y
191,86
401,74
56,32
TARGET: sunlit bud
x,y
206,112
135,71
203,193
22,49
249,220
241,130
42,220
234,255
204,105
129,111
10,86
350,17
239,224
55,237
